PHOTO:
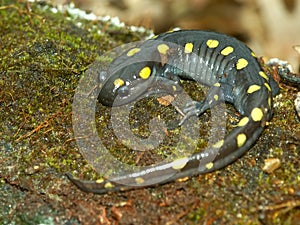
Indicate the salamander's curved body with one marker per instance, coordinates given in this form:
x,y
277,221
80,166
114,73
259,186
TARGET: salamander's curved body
x,y
218,61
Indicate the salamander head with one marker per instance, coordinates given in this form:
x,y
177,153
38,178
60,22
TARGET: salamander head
x,y
132,82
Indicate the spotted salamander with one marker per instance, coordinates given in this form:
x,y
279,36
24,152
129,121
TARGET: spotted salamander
x,y
224,64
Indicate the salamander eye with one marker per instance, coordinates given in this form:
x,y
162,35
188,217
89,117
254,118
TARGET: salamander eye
x,y
123,91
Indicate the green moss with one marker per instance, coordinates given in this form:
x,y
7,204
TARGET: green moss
x,y
43,55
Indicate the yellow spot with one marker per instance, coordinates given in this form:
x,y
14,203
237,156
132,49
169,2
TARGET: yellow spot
x,y
257,114
154,37
227,50
216,97
243,122
253,88
179,163
209,165
219,144
217,85
108,185
262,74
145,72
212,43
163,48
133,51
182,179
139,180
119,82
241,139
253,54
241,64
270,102
268,86
99,181
188,48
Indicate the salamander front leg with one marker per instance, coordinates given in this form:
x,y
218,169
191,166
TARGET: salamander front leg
x,y
194,108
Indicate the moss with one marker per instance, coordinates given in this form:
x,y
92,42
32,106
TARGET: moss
x,y
43,55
